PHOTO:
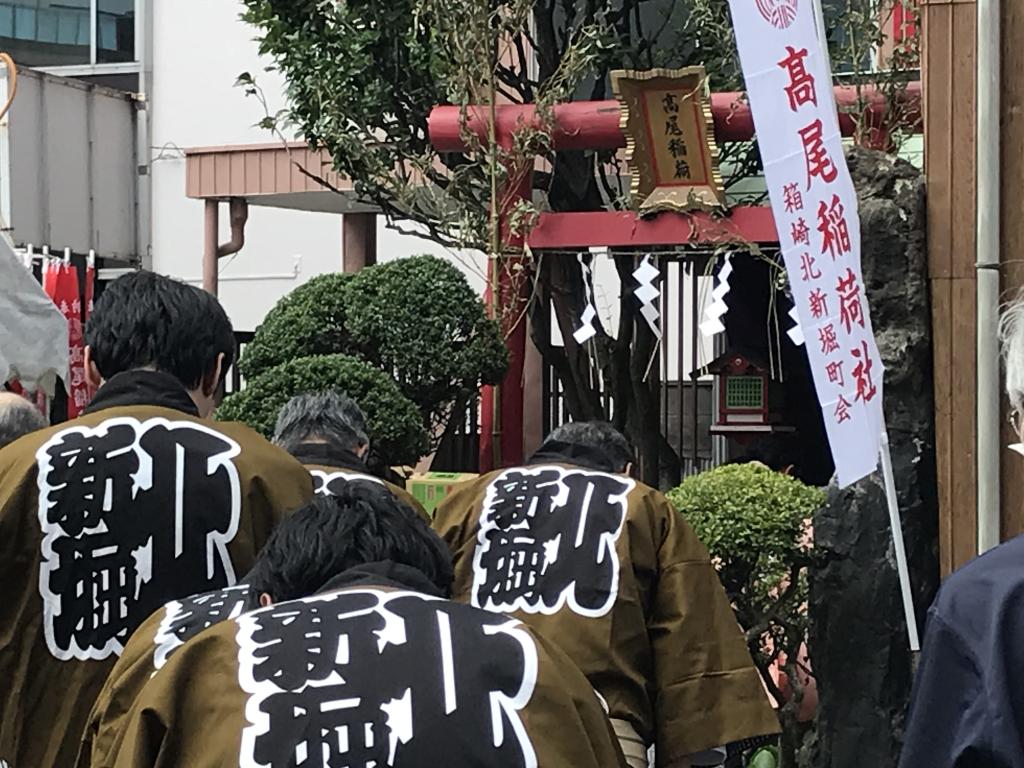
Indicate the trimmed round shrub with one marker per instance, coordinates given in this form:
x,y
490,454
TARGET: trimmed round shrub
x,y
396,428
419,319
308,321
753,520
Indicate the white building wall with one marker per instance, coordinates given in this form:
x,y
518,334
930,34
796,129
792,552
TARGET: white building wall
x,y
199,49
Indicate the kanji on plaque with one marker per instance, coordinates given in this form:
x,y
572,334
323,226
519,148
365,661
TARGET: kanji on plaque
x,y
794,199
829,340
819,304
850,311
816,157
800,232
808,270
835,234
866,389
677,147
801,85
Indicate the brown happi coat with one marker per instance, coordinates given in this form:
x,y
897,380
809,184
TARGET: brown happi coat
x,y
148,651
330,467
102,521
605,567
388,674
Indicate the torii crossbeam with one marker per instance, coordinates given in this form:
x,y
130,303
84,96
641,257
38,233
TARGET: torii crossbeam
x,y
595,125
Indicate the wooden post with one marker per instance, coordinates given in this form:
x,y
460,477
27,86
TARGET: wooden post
x,y
948,70
359,241
211,246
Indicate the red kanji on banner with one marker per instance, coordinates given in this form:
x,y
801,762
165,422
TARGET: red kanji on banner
x,y
808,268
816,157
834,371
850,310
792,199
829,340
800,232
801,85
866,389
835,236
842,411
819,304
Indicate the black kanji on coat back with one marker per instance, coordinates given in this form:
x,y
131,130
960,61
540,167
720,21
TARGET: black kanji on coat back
x,y
374,678
184,619
547,541
133,513
330,484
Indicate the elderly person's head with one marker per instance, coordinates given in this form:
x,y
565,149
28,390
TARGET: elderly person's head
x,y
18,417
327,418
607,448
1011,336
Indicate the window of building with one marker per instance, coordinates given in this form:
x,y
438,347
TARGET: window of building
x,y
57,33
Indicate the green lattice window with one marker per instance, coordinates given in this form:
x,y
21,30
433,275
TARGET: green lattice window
x,y
744,392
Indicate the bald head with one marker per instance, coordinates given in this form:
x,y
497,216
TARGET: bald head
x,y
18,417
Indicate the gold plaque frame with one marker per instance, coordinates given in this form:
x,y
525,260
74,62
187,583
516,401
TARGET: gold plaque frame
x,y
648,154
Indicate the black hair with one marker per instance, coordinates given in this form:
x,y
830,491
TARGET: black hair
x,y
328,416
598,436
143,319
363,523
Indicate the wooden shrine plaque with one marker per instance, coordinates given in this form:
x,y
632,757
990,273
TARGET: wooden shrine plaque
x,y
670,140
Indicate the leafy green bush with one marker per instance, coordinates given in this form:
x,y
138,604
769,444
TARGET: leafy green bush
x,y
308,321
416,319
754,522
419,319
396,428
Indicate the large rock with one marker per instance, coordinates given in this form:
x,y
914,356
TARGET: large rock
x,y
859,640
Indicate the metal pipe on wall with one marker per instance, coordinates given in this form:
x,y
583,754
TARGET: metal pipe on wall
x,y
987,272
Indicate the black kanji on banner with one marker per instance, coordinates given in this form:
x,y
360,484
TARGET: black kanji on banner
x,y
132,514
184,619
372,678
547,540
331,484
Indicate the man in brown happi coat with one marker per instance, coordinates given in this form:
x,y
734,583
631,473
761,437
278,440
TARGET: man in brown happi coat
x,y
327,432
356,658
604,566
141,500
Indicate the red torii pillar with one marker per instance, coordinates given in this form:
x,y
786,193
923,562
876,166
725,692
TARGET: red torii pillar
x,y
595,125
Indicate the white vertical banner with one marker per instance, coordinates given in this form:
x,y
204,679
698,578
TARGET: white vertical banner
x,y
789,85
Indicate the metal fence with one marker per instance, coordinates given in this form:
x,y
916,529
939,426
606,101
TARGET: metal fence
x,y
686,404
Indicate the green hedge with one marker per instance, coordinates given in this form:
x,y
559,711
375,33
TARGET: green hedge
x,y
308,321
416,319
396,428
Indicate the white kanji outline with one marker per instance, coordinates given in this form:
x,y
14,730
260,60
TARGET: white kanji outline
x,y
567,597
165,642
328,477
215,542
394,632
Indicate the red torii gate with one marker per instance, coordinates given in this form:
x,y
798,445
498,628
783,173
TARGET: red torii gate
x,y
595,125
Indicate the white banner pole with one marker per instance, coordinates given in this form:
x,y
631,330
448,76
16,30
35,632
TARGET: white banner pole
x,y
897,539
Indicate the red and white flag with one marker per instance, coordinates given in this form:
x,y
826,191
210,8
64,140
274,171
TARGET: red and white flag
x,y
789,85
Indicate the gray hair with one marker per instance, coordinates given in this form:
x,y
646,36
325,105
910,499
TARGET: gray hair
x,y
329,417
18,417
599,436
1011,339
